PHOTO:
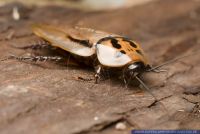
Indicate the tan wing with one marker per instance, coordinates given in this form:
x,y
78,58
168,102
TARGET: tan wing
x,y
66,40
90,34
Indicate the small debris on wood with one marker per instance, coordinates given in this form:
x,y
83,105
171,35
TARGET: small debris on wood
x,y
16,14
120,126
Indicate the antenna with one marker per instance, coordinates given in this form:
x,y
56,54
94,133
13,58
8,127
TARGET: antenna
x,y
170,61
149,91
146,87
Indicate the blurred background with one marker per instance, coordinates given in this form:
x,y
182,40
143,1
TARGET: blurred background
x,y
83,4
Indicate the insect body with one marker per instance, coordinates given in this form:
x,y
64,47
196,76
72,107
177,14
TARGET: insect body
x,y
107,50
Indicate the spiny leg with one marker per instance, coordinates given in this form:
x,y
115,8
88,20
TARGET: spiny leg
x,y
97,76
41,44
38,46
37,58
125,79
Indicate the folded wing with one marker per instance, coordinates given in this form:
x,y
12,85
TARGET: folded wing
x,y
64,40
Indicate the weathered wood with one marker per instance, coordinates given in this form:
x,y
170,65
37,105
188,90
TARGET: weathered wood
x,y
50,98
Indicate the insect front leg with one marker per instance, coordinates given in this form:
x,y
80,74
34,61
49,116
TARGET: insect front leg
x,y
37,58
97,75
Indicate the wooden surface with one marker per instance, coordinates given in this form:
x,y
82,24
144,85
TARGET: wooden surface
x,y
49,98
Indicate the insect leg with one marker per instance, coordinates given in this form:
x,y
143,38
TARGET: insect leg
x,y
37,58
97,73
125,81
38,45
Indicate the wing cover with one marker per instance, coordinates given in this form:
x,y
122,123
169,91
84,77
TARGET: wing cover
x,y
59,38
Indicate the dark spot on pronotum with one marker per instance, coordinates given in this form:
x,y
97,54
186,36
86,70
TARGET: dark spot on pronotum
x,y
115,43
130,42
139,52
122,51
133,44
